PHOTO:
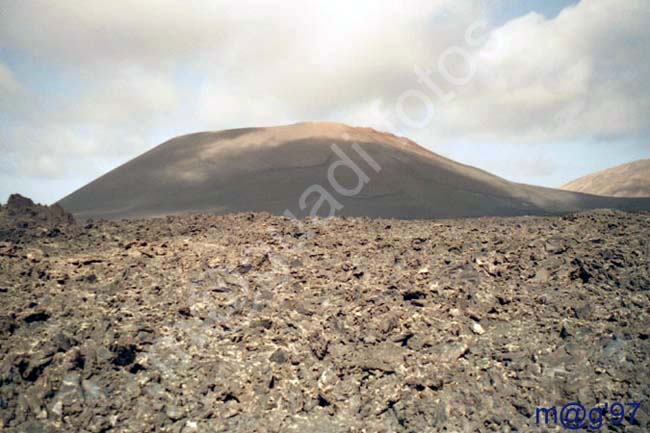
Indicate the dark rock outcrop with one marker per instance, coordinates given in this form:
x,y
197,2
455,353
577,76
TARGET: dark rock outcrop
x,y
21,217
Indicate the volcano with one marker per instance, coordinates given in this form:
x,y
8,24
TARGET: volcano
x,y
317,169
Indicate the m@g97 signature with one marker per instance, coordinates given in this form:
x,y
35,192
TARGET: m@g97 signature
x,y
574,415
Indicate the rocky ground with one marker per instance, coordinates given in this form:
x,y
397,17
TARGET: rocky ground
x,y
252,323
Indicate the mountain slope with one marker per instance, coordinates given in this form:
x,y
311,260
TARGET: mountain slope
x,y
313,168
627,180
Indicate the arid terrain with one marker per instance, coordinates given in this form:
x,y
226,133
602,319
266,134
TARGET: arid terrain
x,y
356,171
627,180
423,216
256,323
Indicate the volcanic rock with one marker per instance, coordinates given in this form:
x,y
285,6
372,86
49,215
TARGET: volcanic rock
x,y
21,217
355,325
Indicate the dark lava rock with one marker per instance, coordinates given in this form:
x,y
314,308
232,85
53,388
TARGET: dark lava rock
x,y
248,323
21,218
279,357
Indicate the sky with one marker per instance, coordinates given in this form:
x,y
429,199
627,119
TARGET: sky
x,y
539,92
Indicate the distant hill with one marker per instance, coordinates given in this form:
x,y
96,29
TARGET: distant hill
x,y
290,168
627,180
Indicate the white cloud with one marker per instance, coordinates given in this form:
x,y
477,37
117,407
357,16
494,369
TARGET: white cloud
x,y
8,83
137,70
582,74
